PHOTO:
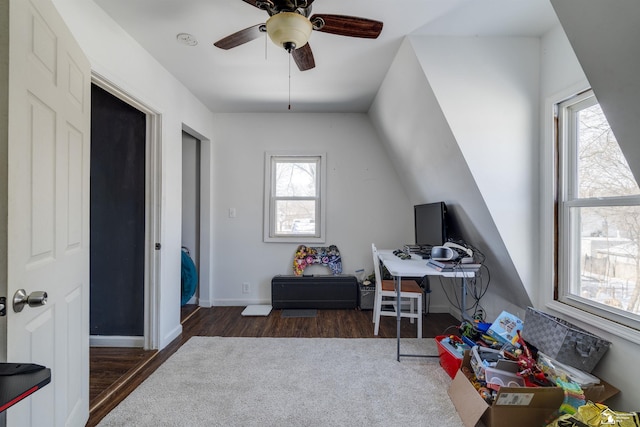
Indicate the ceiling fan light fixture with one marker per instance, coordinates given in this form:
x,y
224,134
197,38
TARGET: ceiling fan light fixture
x,y
289,30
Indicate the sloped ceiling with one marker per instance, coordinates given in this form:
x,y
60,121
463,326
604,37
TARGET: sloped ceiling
x,y
610,60
422,141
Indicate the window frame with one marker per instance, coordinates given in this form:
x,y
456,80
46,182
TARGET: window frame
x,y
269,215
565,170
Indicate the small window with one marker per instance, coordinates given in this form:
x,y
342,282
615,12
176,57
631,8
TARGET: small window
x,y
598,216
294,198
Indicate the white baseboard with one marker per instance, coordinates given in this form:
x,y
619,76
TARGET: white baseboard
x,y
115,341
433,308
455,312
166,340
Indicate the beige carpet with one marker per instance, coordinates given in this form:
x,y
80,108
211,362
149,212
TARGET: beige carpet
x,y
214,381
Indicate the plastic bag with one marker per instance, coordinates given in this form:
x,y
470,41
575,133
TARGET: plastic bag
x,y
597,415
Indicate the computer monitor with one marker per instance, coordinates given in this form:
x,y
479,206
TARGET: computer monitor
x,y
430,224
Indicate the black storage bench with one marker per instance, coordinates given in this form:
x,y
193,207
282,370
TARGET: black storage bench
x,y
330,291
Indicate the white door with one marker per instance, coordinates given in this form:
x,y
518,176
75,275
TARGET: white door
x,y
48,211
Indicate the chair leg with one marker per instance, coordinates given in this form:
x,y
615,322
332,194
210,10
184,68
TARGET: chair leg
x,y
419,300
412,308
376,313
375,307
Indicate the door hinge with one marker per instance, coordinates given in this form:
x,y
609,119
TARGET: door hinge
x,y
158,246
3,306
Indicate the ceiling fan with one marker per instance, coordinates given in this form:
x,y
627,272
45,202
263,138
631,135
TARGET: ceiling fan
x,y
290,24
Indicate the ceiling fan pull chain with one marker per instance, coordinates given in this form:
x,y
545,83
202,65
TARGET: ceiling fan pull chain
x,y
289,81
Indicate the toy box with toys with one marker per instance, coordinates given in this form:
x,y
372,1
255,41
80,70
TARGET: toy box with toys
x,y
451,351
509,406
503,382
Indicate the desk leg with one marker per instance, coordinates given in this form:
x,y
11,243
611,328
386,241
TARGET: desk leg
x,y
398,308
463,299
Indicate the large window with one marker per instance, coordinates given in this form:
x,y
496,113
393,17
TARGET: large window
x,y
598,216
294,208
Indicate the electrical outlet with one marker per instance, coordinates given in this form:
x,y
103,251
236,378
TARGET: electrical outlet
x,y
246,288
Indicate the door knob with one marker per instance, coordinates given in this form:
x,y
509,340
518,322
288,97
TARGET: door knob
x,y
34,299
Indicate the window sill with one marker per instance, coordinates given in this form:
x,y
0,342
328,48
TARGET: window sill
x,y
306,240
590,320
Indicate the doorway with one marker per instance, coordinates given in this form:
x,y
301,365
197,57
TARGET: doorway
x,y
125,185
191,159
118,149
197,179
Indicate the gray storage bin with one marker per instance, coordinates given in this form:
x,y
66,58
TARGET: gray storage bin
x,y
366,297
563,341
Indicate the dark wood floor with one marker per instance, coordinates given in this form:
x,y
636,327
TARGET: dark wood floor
x,y
116,372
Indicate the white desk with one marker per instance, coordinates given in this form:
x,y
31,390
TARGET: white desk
x,y
417,267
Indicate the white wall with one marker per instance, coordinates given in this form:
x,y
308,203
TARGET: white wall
x,y
487,88
421,130
119,59
365,200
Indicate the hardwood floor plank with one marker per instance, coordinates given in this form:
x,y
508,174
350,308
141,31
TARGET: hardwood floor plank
x,y
116,372
109,364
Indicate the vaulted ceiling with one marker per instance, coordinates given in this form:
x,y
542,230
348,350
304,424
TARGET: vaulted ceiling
x,y
258,76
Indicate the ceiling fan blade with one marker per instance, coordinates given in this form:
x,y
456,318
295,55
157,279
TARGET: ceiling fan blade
x,y
304,58
241,37
351,26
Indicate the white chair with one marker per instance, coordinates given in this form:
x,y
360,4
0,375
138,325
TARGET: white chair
x,y
386,295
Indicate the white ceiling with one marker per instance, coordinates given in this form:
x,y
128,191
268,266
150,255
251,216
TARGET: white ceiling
x,y
254,77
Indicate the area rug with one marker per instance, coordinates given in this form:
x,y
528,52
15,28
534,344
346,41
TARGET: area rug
x,y
214,381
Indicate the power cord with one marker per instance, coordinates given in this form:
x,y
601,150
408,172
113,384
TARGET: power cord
x,y
475,287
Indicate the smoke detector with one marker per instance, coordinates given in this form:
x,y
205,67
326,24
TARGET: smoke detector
x,y
186,38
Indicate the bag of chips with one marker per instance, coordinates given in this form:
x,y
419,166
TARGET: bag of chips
x,y
597,415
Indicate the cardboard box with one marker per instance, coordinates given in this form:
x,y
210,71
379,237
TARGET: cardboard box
x,y
505,328
521,406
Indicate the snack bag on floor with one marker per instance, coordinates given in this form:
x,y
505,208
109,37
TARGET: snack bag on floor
x,y
597,415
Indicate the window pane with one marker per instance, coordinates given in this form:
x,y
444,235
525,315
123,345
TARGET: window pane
x,y
603,170
295,179
293,207
296,217
609,261
598,216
